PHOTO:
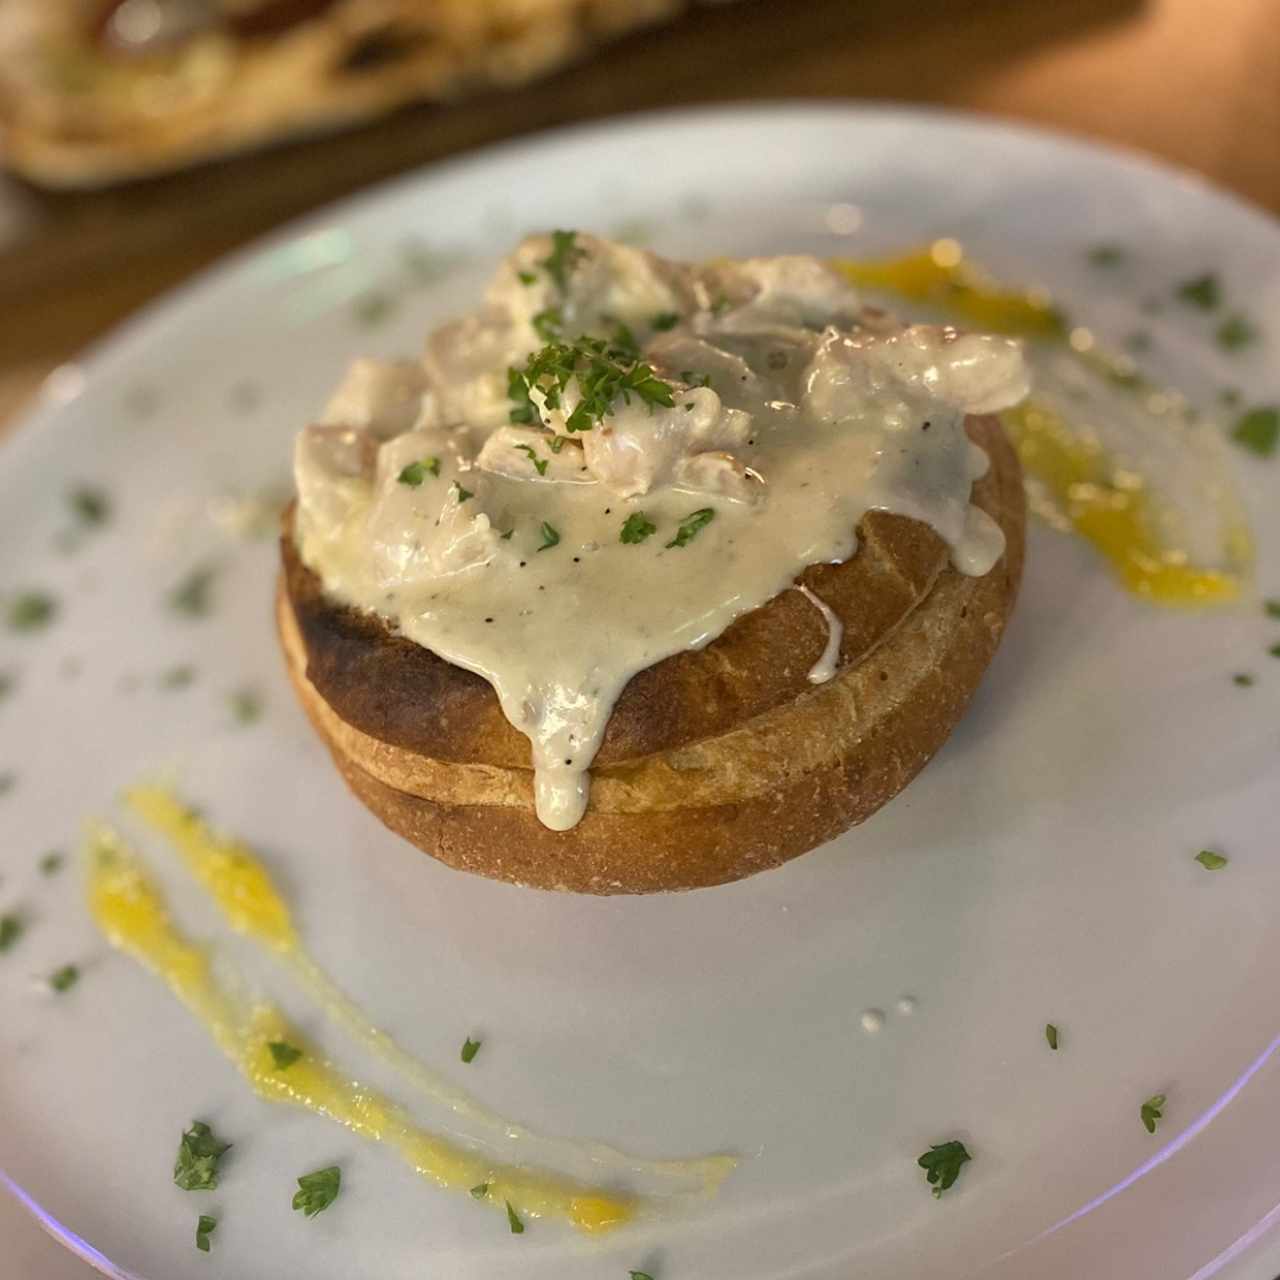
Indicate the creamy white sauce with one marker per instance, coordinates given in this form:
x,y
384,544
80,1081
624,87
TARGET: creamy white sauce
x,y
825,667
505,557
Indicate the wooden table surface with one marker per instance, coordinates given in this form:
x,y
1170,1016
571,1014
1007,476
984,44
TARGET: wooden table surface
x,y
1191,81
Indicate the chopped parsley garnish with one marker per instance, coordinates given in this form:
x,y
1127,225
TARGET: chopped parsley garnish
x,y
89,506
193,595
1274,651
1272,608
639,1275
463,494
65,978
523,409
527,277
416,472
317,1191
283,1054
637,527
604,372
196,1168
480,1192
1051,1035
1243,679
550,536
1235,332
51,863
564,256
625,341
556,443
539,464
1201,291
513,1221
665,320
11,928
31,610
1106,255
177,677
942,1164
246,706
373,308
547,324
1258,430
1152,1112
691,525
204,1229
470,1048
1211,861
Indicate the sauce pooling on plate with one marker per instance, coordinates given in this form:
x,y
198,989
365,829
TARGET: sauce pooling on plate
x,y
618,455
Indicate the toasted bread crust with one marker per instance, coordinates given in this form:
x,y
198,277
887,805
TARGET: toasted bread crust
x,y
718,763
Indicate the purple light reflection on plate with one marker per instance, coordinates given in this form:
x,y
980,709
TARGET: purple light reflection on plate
x,y
1167,1152
64,1235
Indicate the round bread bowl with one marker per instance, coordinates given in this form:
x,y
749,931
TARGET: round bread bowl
x,y
718,762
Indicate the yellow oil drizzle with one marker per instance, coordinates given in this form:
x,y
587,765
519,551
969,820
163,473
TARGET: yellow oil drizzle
x,y
242,889
941,276
1116,519
129,910
1105,504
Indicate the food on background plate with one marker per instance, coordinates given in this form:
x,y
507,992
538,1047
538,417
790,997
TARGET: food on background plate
x,y
94,91
649,576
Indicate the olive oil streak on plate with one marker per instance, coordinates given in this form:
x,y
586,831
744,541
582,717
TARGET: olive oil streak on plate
x,y
128,908
240,886
1040,870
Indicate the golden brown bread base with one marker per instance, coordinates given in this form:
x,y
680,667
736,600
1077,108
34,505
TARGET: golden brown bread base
x,y
717,763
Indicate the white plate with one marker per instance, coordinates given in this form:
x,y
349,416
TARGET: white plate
x,y
1039,870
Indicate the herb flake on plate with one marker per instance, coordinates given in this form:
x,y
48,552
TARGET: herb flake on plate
x,y
513,1221
283,1054
1051,1035
942,1164
65,978
1258,430
1235,333
192,596
246,706
1152,1112
318,1190
196,1168
31,610
91,507
205,1227
470,1048
1201,291
1211,861
11,929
